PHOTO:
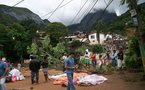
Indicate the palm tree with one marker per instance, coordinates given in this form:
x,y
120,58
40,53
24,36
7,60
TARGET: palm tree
x,y
132,4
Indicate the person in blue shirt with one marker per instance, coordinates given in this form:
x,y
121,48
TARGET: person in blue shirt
x,y
3,72
70,66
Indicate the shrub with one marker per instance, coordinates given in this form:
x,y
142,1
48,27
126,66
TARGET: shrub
x,y
81,50
98,48
132,55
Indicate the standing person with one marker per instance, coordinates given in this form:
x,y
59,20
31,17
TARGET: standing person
x,y
31,56
87,58
8,63
100,62
64,57
107,58
70,66
93,57
34,66
19,67
113,57
120,58
45,68
77,58
3,72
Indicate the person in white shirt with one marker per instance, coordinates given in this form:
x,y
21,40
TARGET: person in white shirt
x,y
64,57
87,58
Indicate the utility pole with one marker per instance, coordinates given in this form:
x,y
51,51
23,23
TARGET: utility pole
x,y
138,23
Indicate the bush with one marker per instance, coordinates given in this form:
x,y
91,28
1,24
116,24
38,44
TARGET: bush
x,y
75,43
81,50
132,55
98,48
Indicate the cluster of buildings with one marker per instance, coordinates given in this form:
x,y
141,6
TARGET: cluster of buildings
x,y
90,38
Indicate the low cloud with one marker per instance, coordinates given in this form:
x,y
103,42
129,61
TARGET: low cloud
x,y
67,13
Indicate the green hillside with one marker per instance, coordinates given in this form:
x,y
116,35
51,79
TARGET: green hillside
x,y
118,25
9,15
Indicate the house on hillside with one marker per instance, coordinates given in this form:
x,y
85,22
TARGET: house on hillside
x,y
92,38
82,37
89,39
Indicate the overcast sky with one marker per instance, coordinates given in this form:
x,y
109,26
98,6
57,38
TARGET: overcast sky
x,y
67,13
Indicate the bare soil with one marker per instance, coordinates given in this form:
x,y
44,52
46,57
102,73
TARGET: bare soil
x,y
116,81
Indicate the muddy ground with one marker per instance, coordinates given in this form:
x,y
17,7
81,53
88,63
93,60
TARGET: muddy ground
x,y
116,81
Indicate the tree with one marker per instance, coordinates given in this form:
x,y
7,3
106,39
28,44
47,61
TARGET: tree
x,y
31,26
43,48
57,53
132,4
33,49
3,34
3,40
132,55
56,31
75,44
20,39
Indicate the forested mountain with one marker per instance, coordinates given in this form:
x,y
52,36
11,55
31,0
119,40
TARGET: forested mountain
x,y
90,19
118,25
111,23
9,15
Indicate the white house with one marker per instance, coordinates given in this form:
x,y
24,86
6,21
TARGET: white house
x,y
93,38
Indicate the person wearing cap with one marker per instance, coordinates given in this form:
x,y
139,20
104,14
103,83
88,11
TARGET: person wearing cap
x,y
70,67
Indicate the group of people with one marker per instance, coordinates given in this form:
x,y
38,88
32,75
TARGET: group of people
x,y
6,71
115,57
35,65
69,65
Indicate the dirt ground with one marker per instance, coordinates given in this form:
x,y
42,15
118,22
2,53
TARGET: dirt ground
x,y
116,81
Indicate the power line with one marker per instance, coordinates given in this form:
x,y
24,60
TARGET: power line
x,y
18,3
92,8
93,5
102,13
105,2
79,11
58,8
109,3
55,9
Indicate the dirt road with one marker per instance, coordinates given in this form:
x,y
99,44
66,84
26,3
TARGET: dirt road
x,y
116,81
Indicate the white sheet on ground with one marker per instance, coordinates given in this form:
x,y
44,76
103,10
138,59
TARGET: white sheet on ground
x,y
17,73
54,77
91,79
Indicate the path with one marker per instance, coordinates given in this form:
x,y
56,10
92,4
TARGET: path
x,y
115,82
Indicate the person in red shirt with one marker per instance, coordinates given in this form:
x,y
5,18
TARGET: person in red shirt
x,y
93,58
